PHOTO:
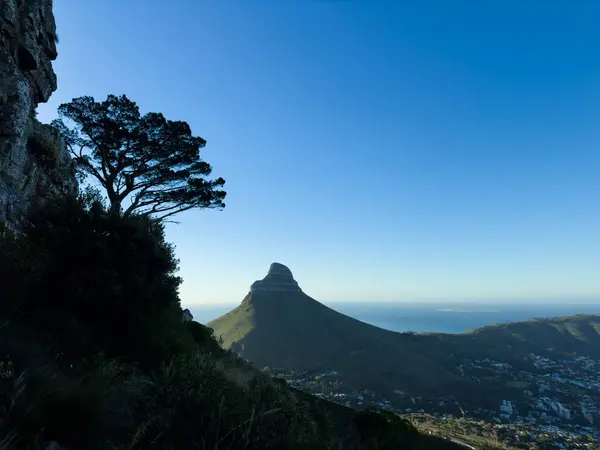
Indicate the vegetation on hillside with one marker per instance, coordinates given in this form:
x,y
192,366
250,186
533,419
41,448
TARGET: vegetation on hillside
x,y
94,353
290,330
568,335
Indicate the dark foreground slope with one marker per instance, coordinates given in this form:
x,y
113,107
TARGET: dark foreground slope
x,y
95,354
278,325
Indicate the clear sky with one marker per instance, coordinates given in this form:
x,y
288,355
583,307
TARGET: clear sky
x,y
383,150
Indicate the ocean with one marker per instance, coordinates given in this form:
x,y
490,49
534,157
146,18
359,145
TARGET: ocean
x,y
443,317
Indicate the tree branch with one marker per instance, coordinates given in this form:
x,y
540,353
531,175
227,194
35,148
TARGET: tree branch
x,y
164,216
135,204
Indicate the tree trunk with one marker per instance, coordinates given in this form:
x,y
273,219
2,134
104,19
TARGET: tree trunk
x,y
115,208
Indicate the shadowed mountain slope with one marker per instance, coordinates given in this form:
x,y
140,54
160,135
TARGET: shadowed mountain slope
x,y
280,326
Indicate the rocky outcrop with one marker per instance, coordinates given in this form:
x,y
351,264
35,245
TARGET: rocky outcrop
x,y
186,316
278,279
34,161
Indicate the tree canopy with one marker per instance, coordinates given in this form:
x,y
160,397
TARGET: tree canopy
x,y
146,164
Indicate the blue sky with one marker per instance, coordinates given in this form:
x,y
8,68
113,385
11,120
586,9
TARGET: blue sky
x,y
383,150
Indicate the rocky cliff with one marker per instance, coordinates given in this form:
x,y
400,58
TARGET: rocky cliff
x,y
278,279
34,161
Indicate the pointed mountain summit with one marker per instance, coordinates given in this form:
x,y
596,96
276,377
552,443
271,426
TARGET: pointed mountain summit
x,y
278,279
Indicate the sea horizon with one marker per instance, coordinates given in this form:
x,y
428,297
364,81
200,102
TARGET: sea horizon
x,y
440,316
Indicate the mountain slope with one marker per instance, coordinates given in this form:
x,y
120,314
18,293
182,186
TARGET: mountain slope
x,y
280,326
560,335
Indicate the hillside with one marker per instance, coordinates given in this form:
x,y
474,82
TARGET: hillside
x,y
578,334
280,326
91,363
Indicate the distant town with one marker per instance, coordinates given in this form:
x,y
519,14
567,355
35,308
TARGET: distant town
x,y
550,404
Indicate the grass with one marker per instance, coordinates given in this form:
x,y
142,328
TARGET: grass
x,y
235,325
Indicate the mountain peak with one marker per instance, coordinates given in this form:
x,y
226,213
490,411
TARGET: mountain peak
x,y
280,270
279,279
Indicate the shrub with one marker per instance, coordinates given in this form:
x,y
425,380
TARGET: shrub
x,y
204,340
91,406
91,282
44,150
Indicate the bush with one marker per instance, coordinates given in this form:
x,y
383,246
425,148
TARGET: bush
x,y
203,338
91,282
44,150
80,407
192,404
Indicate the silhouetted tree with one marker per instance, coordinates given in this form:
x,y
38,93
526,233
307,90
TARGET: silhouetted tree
x,y
148,160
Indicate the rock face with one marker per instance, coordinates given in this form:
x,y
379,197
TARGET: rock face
x,y
186,316
278,279
34,161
